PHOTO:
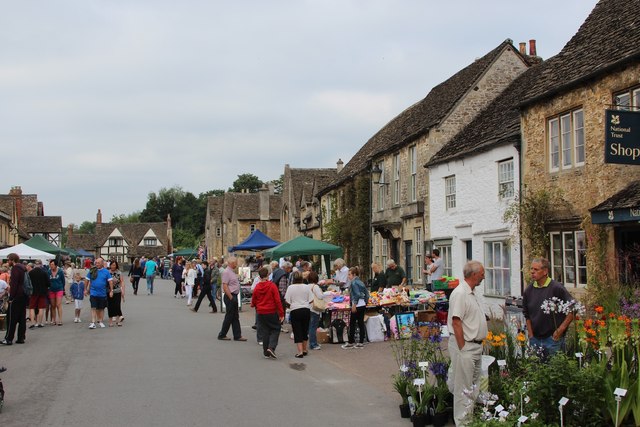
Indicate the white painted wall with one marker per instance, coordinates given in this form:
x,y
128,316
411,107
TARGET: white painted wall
x,y
478,213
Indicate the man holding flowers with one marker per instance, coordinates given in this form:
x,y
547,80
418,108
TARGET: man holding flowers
x,y
546,305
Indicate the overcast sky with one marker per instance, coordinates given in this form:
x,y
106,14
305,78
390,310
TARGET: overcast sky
x,y
104,101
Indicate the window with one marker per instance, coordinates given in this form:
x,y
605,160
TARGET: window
x,y
627,100
376,248
450,192
497,265
115,241
381,187
396,179
566,141
505,179
218,232
445,254
569,258
418,245
385,248
413,160
252,228
150,241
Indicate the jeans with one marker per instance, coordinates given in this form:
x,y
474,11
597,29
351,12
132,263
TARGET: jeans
x,y
231,318
550,346
269,330
17,319
150,284
314,321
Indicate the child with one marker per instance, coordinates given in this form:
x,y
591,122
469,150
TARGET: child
x,y
77,291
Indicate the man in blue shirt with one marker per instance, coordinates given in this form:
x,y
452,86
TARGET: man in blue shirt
x,y
98,284
150,273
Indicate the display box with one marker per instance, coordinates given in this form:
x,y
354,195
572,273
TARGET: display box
x,y
426,316
323,336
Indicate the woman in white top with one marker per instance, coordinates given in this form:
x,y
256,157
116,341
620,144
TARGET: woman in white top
x,y
299,297
314,320
190,280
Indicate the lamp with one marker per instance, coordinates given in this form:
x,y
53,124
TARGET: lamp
x,y
376,174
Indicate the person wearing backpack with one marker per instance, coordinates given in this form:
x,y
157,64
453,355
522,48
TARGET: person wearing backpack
x,y
17,302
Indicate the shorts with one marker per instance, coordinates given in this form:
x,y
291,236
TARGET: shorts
x,y
99,303
38,301
56,294
78,303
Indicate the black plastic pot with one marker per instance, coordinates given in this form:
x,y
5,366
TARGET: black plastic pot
x,y
405,411
419,420
440,419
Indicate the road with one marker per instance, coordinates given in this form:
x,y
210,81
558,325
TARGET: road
x,y
165,367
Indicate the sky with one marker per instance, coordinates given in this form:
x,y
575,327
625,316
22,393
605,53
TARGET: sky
x,y
105,101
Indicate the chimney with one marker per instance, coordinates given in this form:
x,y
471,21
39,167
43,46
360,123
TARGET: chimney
x,y
16,194
272,188
99,217
339,166
523,48
69,231
40,209
264,203
532,48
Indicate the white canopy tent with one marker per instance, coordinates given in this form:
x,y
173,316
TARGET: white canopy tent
x,y
26,252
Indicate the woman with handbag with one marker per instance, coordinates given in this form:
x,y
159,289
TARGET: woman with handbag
x,y
135,272
359,299
299,298
317,308
115,297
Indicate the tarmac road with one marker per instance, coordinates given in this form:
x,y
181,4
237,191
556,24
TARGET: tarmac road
x,y
165,367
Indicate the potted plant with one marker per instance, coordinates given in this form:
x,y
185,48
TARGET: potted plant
x,y
400,384
421,416
440,399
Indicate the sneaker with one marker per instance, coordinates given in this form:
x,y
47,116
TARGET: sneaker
x,y
92,325
347,345
359,345
283,329
260,343
40,325
32,326
318,347
79,320
101,325
272,354
75,320
5,342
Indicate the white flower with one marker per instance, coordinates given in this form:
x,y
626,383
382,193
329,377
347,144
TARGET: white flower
x,y
527,399
534,415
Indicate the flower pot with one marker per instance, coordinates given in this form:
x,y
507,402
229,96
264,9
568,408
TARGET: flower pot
x,y
440,419
405,411
419,420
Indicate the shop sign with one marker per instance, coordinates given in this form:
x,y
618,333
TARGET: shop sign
x,y
622,137
615,215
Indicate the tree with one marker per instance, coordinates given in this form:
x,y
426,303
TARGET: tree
x,y
131,218
246,181
87,227
277,184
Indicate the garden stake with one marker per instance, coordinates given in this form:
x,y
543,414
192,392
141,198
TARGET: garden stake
x,y
562,402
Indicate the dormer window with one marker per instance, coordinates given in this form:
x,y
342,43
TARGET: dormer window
x,y
150,241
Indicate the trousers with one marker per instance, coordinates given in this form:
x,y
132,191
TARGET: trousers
x,y
464,372
206,291
17,319
231,318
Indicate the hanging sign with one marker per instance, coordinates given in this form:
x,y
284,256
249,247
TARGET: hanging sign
x,y
622,137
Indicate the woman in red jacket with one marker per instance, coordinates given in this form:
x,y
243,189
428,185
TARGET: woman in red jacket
x,y
266,300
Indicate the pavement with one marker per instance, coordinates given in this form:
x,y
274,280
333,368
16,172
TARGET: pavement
x,y
165,367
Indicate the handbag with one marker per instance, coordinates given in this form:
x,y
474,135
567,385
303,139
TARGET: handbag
x,y
318,304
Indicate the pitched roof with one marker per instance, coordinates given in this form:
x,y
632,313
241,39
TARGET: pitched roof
x,y
416,120
133,234
40,224
82,241
629,197
609,38
497,124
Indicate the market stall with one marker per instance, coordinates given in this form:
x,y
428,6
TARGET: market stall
x,y
303,245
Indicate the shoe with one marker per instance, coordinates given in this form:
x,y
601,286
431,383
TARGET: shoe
x,y
299,356
92,325
271,354
240,339
121,319
5,342
175,296
318,347
40,325
254,327
79,320
2,369
118,324
101,324
224,338
359,345
192,309
345,346
32,327
304,353
266,356
20,342
283,329
75,320
260,342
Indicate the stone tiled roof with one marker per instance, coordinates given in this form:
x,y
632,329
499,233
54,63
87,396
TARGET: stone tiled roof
x,y
303,179
497,124
245,205
215,206
609,38
41,224
416,120
6,205
629,197
275,206
82,241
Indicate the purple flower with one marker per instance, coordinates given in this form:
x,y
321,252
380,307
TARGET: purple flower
x,y
439,369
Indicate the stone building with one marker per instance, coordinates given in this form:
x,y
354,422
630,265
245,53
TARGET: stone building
x,y
10,234
125,242
301,209
30,218
400,223
563,127
233,216
473,180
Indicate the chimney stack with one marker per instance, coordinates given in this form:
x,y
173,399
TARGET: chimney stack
x,y
99,217
339,165
16,194
264,202
523,48
69,231
532,48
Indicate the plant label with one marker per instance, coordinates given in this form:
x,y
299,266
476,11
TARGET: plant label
x,y
563,401
579,355
503,414
523,419
620,392
499,408
502,363
418,382
423,365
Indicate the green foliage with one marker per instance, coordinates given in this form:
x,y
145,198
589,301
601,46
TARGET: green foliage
x,y
277,184
400,384
131,218
349,225
246,181
87,227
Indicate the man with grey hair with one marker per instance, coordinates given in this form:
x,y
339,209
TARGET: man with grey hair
x,y
395,275
341,273
542,331
467,328
230,290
